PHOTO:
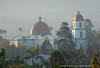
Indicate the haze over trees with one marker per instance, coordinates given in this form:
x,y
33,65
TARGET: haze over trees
x,y
2,33
56,59
3,41
46,47
91,33
92,37
66,53
64,37
20,30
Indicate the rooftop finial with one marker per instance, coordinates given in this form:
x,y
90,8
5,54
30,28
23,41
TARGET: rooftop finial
x,y
40,18
78,12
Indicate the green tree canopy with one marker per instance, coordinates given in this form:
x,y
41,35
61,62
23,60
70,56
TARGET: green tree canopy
x,y
46,47
2,32
92,38
56,59
33,52
64,37
2,53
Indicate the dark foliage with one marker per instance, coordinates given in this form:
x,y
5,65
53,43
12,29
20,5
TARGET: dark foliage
x,y
64,37
46,47
2,53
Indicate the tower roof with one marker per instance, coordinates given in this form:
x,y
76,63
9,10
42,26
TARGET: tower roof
x,y
40,28
78,17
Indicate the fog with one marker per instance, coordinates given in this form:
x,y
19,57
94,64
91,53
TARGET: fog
x,y
25,13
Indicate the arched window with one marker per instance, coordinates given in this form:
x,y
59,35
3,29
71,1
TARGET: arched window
x,y
81,34
80,24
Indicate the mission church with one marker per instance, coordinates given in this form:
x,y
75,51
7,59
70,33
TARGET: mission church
x,y
40,31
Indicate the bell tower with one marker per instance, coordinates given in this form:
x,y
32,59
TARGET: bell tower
x,y
78,31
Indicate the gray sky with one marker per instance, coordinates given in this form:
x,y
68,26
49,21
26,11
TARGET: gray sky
x,y
24,13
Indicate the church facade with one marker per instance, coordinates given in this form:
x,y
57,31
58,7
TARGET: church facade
x,y
40,32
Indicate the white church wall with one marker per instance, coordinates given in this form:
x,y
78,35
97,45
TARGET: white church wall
x,y
73,33
77,33
76,25
81,43
32,41
29,43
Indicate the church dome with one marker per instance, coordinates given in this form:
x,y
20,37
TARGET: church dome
x,y
40,28
78,17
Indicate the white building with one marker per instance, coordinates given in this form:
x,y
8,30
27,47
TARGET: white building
x,y
78,31
38,33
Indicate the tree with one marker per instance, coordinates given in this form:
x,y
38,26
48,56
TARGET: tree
x,y
3,61
17,62
56,59
46,47
88,25
2,53
92,38
20,30
95,60
90,32
64,37
2,32
74,57
43,62
98,34
33,53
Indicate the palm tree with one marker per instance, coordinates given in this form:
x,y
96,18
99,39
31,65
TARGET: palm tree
x,y
2,32
33,53
17,62
20,30
43,61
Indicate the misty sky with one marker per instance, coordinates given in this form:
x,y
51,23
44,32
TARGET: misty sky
x,y
24,13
